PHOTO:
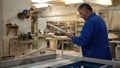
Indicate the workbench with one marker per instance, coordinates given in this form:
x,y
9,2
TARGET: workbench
x,y
14,42
62,39
54,42
113,45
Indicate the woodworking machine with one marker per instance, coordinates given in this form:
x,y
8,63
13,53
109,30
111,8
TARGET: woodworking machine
x,y
67,61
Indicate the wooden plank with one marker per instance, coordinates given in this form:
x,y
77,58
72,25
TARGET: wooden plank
x,y
32,51
55,27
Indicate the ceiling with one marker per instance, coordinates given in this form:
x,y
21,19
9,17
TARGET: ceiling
x,y
64,2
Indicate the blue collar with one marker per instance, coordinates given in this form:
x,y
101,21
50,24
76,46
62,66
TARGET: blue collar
x,y
91,15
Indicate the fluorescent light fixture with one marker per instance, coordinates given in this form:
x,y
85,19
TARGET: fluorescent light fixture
x,y
42,5
101,2
73,1
40,1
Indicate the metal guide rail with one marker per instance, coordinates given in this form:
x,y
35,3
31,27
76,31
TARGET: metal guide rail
x,y
72,62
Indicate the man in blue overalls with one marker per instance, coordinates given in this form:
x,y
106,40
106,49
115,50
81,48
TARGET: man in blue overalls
x,y
94,37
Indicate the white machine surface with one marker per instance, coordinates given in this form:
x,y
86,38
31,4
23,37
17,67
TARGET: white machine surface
x,y
66,60
27,61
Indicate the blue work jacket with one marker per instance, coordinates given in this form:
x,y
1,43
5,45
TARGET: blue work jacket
x,y
94,38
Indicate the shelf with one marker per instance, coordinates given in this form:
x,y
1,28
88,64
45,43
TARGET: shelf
x,y
9,27
78,27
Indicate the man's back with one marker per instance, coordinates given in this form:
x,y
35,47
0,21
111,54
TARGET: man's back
x,y
94,37
98,46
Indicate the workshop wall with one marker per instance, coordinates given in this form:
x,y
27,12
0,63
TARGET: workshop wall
x,y
1,4
60,13
1,35
65,12
10,10
110,14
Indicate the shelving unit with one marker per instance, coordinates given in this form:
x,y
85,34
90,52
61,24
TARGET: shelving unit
x,y
8,27
68,26
78,27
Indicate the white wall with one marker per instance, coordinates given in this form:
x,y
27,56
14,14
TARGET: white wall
x,y
10,10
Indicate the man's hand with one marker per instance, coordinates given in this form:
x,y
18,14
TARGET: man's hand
x,y
69,35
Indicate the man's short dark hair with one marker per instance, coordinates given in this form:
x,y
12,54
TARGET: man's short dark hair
x,y
85,5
